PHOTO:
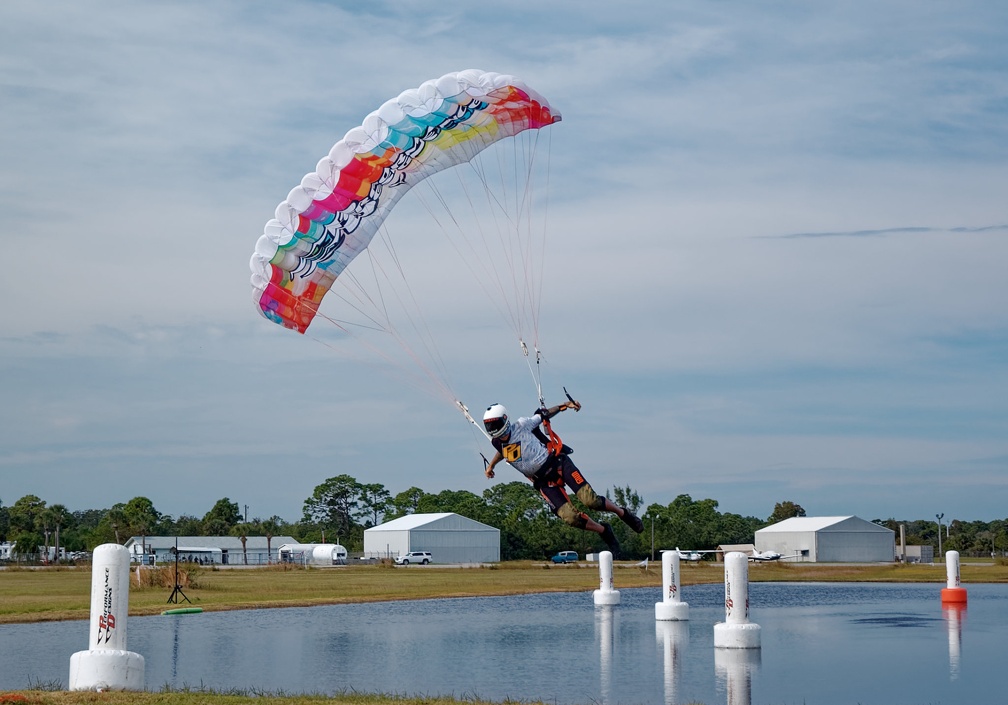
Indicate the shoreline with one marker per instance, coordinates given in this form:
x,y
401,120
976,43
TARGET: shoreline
x,y
29,595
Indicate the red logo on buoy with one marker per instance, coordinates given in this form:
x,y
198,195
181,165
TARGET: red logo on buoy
x,y
106,622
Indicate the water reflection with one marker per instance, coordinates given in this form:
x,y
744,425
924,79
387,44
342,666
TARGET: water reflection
x,y
543,647
735,669
674,639
605,615
955,616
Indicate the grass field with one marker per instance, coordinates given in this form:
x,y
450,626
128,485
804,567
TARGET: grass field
x,y
29,595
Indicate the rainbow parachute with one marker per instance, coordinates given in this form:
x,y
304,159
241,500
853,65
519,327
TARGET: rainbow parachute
x,y
333,214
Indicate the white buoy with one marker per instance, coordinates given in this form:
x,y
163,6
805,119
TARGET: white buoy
x,y
606,595
953,593
736,632
671,607
107,665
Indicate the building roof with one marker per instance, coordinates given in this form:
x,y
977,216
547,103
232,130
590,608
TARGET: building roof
x,y
229,543
746,548
804,523
441,521
843,523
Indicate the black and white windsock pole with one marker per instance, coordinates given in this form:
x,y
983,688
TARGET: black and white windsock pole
x,y
107,665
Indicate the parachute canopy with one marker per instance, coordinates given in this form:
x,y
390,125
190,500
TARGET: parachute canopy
x,y
333,214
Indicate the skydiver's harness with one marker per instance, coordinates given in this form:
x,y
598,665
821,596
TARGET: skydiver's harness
x,y
549,472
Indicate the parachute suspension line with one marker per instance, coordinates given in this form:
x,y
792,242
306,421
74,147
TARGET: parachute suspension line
x,y
437,372
382,320
498,206
516,241
545,231
488,273
401,370
489,276
425,335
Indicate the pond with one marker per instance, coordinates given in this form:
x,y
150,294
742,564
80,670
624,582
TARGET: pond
x,y
822,643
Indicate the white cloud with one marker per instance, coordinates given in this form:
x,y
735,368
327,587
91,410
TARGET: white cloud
x,y
717,352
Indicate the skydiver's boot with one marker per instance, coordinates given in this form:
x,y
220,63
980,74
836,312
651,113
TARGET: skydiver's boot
x,y
632,520
610,538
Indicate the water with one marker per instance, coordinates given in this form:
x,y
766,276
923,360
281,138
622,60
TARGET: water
x,y
822,643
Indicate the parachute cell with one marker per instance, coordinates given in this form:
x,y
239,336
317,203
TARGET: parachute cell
x,y
332,215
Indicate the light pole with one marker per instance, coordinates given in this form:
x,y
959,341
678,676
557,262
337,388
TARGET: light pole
x,y
652,537
939,517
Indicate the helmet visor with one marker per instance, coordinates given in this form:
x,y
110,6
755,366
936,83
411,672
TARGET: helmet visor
x,y
496,426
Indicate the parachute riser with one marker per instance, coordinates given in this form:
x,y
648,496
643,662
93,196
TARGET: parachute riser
x,y
465,411
537,372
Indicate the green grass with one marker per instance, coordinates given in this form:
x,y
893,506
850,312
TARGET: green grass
x,y
203,697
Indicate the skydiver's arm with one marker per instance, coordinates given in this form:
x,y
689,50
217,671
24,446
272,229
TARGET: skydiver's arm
x,y
489,471
549,413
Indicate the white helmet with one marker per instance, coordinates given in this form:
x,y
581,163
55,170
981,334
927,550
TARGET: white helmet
x,y
496,421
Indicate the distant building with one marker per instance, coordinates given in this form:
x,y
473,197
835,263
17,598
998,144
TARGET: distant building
x,y
846,539
915,554
449,537
207,550
7,550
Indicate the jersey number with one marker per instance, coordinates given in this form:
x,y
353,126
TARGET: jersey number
x,y
511,452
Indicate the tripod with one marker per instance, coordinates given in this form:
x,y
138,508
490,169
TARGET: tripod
x,y
173,598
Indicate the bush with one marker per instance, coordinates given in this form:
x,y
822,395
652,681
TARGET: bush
x,y
164,577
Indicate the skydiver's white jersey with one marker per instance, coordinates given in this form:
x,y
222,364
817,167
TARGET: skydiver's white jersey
x,y
523,451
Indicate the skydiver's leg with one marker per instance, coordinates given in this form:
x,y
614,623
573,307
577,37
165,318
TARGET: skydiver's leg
x,y
559,502
575,480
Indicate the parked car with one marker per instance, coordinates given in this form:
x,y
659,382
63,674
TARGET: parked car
x,y
421,557
566,557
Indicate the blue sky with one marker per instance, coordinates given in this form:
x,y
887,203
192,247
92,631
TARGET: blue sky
x,y
777,242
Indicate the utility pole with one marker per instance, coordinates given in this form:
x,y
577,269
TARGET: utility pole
x,y
652,537
939,517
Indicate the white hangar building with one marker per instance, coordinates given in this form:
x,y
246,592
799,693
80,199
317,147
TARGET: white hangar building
x,y
449,537
829,540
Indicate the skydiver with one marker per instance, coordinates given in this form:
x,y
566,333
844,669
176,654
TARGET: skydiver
x,y
545,460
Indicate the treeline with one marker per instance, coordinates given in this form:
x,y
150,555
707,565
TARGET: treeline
x,y
341,508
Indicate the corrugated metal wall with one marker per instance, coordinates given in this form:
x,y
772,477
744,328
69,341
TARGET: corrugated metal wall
x,y
450,539
788,543
856,547
457,546
385,544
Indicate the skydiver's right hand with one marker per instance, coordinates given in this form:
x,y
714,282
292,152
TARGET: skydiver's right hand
x,y
489,473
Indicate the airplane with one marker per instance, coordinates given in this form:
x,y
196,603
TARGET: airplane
x,y
693,556
764,556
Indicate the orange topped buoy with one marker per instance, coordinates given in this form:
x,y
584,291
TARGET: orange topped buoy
x,y
954,593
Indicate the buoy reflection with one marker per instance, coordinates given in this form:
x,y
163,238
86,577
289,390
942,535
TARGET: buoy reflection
x,y
955,616
605,616
734,668
674,638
